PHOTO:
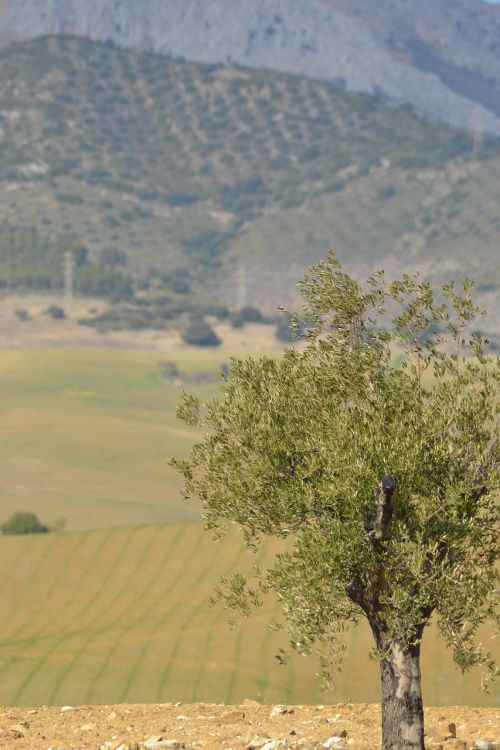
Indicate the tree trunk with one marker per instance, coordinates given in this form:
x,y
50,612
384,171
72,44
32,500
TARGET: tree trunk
x,y
402,707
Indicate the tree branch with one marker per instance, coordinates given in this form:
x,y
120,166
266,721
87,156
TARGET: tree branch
x,y
367,594
383,513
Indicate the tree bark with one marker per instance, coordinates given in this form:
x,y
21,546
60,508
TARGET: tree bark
x,y
402,707
383,513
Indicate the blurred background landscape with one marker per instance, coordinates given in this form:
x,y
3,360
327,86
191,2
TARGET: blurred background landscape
x,y
168,171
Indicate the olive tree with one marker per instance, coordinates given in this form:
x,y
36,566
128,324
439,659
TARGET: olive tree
x,y
384,477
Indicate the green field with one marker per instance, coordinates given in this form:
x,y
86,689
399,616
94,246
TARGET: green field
x,y
86,436
115,609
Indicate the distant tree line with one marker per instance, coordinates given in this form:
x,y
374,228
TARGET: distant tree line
x,y
33,261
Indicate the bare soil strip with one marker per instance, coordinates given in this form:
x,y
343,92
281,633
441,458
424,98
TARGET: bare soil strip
x,y
249,725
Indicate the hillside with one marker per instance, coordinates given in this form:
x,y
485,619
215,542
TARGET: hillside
x,y
440,55
239,177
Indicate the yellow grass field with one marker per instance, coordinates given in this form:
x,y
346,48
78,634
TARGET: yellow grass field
x,y
116,615
115,608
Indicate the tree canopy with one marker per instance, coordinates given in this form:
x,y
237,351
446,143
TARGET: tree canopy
x,y
373,447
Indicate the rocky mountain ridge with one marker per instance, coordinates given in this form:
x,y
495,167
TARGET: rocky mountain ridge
x,y
441,55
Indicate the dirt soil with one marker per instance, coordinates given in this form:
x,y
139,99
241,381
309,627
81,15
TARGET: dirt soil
x,y
250,725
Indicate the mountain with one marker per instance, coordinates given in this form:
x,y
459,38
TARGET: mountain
x,y
231,179
442,56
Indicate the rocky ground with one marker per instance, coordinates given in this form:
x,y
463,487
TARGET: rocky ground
x,y
246,727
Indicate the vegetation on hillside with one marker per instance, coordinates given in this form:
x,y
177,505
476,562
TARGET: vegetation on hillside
x,y
30,260
155,163
34,261
182,133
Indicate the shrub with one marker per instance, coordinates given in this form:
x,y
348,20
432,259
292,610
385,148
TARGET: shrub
x,y
386,192
71,198
24,523
123,319
212,308
22,314
179,285
200,333
251,314
56,312
112,256
237,320
169,371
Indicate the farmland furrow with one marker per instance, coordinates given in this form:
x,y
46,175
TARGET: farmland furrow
x,y
192,582
107,595
92,630
39,574
32,616
141,605
195,611
136,628
209,639
76,617
146,611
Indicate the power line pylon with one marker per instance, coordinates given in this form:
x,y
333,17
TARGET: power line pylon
x,y
68,279
241,284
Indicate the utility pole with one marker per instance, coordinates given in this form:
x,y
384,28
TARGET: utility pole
x,y
241,285
477,138
68,279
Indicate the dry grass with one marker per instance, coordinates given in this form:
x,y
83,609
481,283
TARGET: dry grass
x,y
119,613
129,620
122,615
